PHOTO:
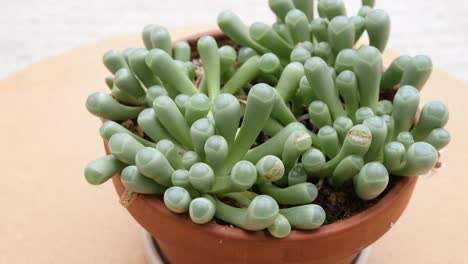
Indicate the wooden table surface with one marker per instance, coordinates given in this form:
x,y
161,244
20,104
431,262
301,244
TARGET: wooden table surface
x,y
51,215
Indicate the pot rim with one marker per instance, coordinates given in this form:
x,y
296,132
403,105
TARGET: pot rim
x,y
329,230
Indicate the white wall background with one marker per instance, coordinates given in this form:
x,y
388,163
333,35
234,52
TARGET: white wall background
x,y
32,30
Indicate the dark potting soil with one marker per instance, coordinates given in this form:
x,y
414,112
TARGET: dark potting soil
x,y
338,204
343,203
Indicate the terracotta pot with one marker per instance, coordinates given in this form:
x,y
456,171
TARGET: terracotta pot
x,y
183,241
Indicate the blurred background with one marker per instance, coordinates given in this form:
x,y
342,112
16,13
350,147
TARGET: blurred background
x,y
36,29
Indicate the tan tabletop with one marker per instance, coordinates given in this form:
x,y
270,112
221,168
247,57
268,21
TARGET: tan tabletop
x,y
49,214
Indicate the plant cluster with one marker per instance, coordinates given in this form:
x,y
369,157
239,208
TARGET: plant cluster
x,y
255,126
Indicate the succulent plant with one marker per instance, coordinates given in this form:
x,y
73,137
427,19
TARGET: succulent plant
x,y
258,125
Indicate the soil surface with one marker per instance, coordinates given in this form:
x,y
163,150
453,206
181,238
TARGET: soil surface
x,y
341,204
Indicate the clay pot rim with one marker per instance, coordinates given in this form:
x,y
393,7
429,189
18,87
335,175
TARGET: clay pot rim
x,y
223,231
342,226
